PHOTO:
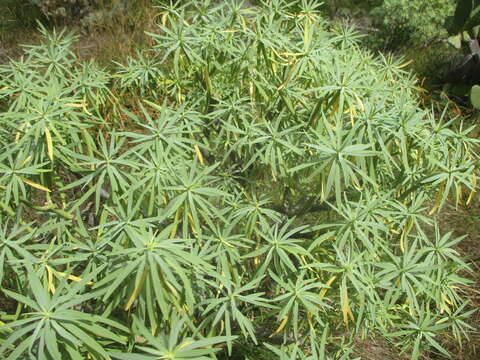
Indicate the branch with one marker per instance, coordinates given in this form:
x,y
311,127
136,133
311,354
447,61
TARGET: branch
x,y
47,208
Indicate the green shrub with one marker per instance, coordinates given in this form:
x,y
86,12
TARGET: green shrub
x,y
252,178
397,23
349,7
407,22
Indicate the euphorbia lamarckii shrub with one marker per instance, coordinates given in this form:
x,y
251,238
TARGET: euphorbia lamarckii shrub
x,y
250,179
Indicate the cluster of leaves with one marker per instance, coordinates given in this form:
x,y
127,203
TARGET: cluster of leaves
x,y
416,22
349,8
398,24
408,28
466,30
261,179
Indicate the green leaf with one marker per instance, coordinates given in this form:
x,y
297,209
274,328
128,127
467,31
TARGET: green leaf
x,y
475,96
462,14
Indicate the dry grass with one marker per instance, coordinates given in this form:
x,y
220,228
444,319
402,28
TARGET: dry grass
x,y
17,26
115,32
377,349
111,33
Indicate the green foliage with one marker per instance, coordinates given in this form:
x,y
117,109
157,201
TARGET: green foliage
x,y
404,22
250,178
466,15
53,317
407,28
475,96
398,24
349,7
466,25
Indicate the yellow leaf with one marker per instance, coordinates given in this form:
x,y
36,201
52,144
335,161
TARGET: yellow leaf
x,y
244,25
27,160
48,139
360,103
346,311
394,231
199,154
51,286
274,67
86,110
226,243
355,183
136,291
35,185
19,133
458,194
192,224
404,64
323,292
166,82
438,199
447,300
402,248
184,344
306,38
172,289
73,277
291,53
82,105
352,115
281,327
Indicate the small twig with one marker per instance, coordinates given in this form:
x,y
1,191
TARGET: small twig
x,y
46,208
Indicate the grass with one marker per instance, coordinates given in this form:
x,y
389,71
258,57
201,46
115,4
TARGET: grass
x,y
17,26
115,30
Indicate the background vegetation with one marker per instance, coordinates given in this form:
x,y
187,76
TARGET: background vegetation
x,y
227,180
